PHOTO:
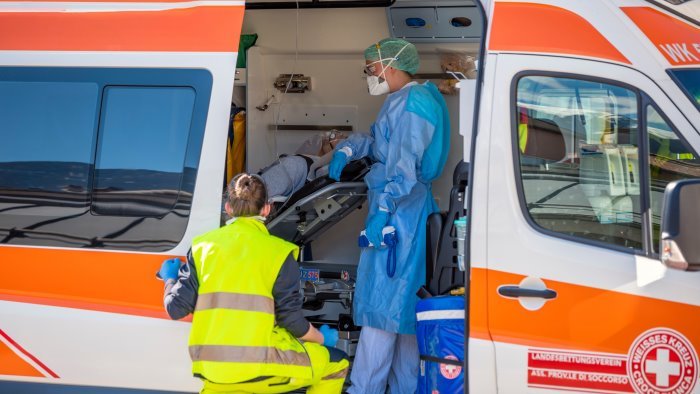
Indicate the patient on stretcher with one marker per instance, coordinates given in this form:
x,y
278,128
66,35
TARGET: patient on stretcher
x,y
289,173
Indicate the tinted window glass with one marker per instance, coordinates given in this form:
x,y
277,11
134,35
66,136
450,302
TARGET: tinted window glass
x,y
578,152
689,80
141,150
670,159
142,127
47,133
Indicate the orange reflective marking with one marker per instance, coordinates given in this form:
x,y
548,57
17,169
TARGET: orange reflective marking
x,y
196,29
678,41
584,318
581,317
540,28
101,281
12,364
478,323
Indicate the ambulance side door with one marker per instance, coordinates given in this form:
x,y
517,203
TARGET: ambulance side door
x,y
580,154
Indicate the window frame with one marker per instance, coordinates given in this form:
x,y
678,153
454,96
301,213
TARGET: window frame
x,y
67,75
94,195
645,202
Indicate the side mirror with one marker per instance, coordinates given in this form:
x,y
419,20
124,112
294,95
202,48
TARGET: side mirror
x,y
680,225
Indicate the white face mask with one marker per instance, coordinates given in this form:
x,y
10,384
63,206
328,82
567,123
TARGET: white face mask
x,y
377,88
378,85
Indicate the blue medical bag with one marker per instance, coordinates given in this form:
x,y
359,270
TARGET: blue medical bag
x,y
440,333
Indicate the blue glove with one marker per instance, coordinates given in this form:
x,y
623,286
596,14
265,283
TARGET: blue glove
x,y
330,336
374,226
169,269
338,162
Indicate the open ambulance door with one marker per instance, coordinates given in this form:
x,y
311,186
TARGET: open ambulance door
x,y
479,355
578,157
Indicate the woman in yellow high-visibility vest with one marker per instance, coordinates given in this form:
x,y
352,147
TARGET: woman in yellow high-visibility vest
x,y
248,332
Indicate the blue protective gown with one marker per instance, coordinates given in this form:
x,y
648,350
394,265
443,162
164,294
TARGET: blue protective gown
x,y
410,142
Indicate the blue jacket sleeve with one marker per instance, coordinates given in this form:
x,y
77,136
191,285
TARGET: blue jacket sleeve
x,y
410,137
180,296
359,144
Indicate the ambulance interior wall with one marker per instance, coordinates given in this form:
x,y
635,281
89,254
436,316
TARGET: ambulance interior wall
x,y
331,45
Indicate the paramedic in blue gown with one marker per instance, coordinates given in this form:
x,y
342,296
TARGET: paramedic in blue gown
x,y
409,142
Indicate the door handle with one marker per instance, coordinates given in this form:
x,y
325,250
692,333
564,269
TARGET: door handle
x,y
517,291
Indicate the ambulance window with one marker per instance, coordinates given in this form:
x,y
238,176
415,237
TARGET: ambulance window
x,y
670,159
47,134
689,81
578,147
141,150
102,158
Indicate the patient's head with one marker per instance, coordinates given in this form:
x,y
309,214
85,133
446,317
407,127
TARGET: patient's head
x,y
330,140
247,196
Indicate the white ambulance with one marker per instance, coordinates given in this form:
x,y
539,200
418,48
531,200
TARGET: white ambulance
x,y
580,264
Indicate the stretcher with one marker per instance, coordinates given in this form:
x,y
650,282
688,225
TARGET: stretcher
x,y
319,205
302,218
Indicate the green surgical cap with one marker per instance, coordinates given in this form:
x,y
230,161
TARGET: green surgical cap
x,y
407,60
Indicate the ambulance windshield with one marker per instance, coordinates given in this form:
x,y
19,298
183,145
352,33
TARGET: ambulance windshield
x,y
689,80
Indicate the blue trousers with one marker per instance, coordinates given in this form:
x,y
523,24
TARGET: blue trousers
x,y
385,357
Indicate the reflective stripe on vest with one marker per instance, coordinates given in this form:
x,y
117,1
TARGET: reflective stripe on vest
x,y
248,354
338,375
239,301
233,336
